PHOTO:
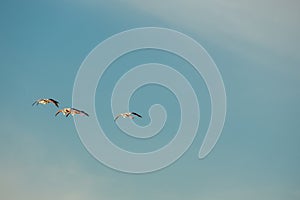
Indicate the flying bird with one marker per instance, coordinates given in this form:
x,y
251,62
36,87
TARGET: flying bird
x,y
65,111
128,114
46,101
72,111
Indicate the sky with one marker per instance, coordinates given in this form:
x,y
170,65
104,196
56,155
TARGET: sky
x,y
255,45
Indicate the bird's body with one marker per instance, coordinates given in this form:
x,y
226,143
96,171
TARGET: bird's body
x,y
72,111
46,101
127,115
65,111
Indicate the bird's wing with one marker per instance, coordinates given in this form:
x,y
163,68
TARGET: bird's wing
x,y
56,103
134,113
75,110
84,113
81,112
58,112
117,117
36,102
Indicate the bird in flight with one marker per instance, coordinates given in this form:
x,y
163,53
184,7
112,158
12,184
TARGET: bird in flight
x,y
128,114
72,111
46,101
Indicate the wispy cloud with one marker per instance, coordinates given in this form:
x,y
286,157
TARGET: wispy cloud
x,y
270,25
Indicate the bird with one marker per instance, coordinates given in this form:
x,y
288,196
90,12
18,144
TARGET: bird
x,y
65,111
72,111
46,101
127,114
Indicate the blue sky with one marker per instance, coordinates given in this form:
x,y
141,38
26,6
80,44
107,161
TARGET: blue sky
x,y
256,47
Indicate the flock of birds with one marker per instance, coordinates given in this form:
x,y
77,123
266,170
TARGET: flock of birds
x,y
74,111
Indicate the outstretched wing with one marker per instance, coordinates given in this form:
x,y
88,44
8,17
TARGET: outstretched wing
x,y
56,103
58,112
82,112
36,102
75,111
134,113
117,117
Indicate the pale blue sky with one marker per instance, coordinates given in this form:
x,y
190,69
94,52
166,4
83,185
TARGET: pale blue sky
x,y
256,47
